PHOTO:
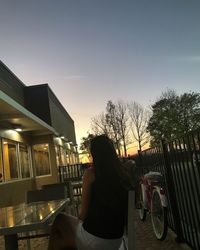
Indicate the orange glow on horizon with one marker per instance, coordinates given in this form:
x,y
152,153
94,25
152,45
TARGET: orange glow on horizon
x,y
131,150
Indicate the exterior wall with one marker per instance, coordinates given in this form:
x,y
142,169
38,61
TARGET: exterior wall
x,y
14,192
11,85
41,101
60,119
37,101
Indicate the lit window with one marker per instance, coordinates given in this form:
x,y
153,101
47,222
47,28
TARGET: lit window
x,y
41,159
24,160
10,160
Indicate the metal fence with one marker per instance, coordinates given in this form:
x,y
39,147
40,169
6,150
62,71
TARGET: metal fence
x,y
71,176
179,163
71,172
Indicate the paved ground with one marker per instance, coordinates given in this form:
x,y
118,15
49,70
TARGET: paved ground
x,y
144,239
38,244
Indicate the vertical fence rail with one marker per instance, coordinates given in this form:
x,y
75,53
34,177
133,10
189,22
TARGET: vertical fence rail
x,y
181,188
194,182
70,172
170,177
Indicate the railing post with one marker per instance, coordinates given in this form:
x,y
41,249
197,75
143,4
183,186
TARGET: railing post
x,y
59,171
131,220
11,241
172,194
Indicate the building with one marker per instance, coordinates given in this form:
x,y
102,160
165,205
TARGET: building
x,y
36,136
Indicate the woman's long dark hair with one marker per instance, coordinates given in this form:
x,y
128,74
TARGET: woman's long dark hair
x,y
110,177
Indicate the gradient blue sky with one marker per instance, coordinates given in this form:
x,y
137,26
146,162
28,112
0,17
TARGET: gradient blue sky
x,y
93,51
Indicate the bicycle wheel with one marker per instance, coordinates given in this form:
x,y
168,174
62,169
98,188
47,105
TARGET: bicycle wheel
x,y
158,216
142,210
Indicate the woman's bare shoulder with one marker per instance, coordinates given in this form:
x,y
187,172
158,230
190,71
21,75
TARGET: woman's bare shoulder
x,y
89,175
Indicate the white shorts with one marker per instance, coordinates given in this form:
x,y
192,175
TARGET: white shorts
x,y
87,241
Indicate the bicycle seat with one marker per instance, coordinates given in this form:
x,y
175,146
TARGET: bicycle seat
x,y
154,176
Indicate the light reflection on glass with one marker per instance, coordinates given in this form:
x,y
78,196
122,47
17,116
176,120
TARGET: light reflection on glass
x,y
25,214
10,218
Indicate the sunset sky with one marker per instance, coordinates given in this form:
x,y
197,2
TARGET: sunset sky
x,y
93,51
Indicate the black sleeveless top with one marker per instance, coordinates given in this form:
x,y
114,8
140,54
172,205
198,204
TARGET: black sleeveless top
x,y
105,220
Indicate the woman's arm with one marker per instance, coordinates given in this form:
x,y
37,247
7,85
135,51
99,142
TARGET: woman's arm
x,y
88,179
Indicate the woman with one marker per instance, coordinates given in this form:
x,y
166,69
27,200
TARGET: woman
x,y
103,213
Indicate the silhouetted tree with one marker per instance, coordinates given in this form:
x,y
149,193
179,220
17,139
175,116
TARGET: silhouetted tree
x,y
113,123
122,118
100,126
188,112
173,116
85,145
161,123
139,121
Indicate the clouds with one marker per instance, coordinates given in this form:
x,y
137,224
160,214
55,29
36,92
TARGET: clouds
x,y
190,59
72,77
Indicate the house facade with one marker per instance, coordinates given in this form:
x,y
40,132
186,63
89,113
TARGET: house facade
x,y
36,136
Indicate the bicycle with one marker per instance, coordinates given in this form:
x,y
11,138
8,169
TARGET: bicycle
x,y
152,199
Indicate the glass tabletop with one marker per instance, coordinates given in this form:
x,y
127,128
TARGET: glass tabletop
x,y
25,214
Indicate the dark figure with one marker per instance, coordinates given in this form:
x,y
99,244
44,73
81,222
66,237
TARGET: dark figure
x,y
103,213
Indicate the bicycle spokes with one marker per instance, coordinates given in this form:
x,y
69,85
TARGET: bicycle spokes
x,y
158,216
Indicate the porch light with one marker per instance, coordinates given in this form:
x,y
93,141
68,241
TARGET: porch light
x,y
17,128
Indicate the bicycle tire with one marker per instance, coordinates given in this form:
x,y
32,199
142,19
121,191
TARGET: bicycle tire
x,y
142,210
158,216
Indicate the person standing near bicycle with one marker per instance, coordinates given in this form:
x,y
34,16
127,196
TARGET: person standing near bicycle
x,y
103,213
